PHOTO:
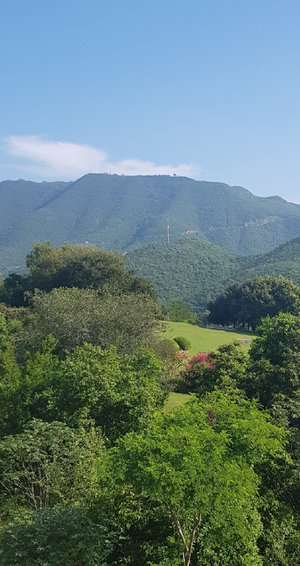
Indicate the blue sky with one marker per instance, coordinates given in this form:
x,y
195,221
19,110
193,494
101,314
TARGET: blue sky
x,y
204,88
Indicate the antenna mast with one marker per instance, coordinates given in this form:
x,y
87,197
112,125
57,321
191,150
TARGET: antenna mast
x,y
168,230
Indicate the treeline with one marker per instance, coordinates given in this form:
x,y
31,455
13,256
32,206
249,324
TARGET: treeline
x,y
246,304
92,470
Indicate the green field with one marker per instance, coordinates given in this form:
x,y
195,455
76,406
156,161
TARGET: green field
x,y
204,339
175,400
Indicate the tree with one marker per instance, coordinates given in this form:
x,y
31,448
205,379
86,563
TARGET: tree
x,y
247,303
9,378
199,463
274,354
47,464
180,312
55,536
83,266
75,316
117,393
205,371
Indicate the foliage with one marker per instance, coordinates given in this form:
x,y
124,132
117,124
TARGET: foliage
x,y
117,393
75,316
82,266
186,273
9,377
52,537
48,463
199,462
275,359
248,303
197,272
224,368
183,343
179,311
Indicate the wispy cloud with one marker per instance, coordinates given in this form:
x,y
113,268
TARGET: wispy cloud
x,y
65,160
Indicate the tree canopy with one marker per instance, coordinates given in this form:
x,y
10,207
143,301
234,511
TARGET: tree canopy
x,y
246,304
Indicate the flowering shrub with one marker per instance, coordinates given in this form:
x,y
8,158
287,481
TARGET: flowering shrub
x,y
196,371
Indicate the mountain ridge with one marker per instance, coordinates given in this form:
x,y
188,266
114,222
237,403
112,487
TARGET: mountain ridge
x,y
128,212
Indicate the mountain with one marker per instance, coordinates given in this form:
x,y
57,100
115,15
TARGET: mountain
x,y
196,271
125,212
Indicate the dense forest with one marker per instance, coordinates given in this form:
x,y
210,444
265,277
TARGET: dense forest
x,y
196,271
95,472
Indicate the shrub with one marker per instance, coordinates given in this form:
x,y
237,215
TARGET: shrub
x,y
195,376
183,343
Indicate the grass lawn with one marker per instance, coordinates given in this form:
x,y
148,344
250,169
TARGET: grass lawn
x,y
204,339
175,400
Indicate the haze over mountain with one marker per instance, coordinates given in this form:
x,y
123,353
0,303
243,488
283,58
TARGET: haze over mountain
x,y
127,212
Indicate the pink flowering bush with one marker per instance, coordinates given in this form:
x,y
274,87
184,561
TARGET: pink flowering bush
x,y
195,372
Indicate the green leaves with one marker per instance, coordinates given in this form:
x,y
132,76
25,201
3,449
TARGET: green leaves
x,y
49,463
193,464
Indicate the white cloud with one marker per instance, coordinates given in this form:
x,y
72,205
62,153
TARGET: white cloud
x,y
64,160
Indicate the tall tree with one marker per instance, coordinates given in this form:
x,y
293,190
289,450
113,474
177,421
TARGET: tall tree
x,y
199,462
248,303
75,316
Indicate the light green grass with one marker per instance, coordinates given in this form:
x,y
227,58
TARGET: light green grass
x,y
175,400
203,339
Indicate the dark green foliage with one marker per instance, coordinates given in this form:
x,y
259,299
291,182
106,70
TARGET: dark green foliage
x,y
122,212
183,343
178,311
9,379
275,359
75,316
83,267
209,483
246,304
117,393
61,536
196,272
189,271
225,368
282,261
46,464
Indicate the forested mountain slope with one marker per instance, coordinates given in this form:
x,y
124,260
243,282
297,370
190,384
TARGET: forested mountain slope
x,y
123,212
284,260
191,270
196,271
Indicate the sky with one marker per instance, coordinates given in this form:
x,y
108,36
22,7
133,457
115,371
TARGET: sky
x,y
208,89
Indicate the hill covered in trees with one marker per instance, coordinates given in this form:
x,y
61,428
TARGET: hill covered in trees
x,y
123,212
196,271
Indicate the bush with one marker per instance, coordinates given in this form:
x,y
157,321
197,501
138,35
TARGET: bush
x,y
195,376
183,343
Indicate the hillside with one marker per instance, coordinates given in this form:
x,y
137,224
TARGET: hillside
x,y
284,261
196,271
125,212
